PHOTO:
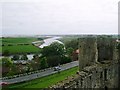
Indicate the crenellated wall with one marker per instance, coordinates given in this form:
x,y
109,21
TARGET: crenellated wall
x,y
98,64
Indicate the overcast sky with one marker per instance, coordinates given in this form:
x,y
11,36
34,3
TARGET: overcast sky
x,y
40,17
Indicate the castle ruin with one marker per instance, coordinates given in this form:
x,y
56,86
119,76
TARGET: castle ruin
x,y
99,63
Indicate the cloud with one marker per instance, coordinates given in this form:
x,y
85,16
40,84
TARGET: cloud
x,y
59,16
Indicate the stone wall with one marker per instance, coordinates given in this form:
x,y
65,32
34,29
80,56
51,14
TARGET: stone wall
x,y
87,56
106,48
98,65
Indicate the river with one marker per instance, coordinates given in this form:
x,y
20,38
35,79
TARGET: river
x,y
49,41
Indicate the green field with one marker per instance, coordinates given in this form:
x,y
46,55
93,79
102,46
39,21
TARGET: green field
x,y
18,45
20,49
47,81
17,40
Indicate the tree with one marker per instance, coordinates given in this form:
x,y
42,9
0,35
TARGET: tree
x,y
69,51
53,60
43,63
16,57
30,68
36,62
71,47
24,57
54,49
6,62
53,53
72,44
6,65
65,60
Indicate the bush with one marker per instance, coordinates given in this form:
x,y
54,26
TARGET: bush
x,y
65,60
16,57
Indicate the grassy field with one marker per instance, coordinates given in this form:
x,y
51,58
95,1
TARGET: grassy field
x,y
18,45
47,81
17,40
20,49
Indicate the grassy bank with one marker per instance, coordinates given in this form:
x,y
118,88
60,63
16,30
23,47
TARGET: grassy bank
x,y
47,81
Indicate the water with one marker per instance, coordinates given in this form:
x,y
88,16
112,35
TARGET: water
x,y
49,41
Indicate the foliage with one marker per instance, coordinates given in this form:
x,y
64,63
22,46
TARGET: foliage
x,y
16,57
6,62
43,63
54,49
40,39
53,60
65,60
71,47
10,73
14,69
36,62
53,53
24,57
7,65
30,68
72,44
69,51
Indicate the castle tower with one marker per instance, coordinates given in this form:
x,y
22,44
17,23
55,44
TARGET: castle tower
x,y
88,51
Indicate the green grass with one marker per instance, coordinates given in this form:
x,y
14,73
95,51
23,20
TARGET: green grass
x,y
17,40
16,48
47,81
20,49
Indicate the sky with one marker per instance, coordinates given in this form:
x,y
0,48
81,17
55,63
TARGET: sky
x,y
39,17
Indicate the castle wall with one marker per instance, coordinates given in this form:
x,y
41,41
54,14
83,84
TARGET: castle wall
x,y
99,76
98,65
87,56
106,48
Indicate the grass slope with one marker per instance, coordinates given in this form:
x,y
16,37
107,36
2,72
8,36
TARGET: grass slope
x,y
47,81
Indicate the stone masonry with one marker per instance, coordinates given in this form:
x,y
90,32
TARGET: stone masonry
x,y
98,64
